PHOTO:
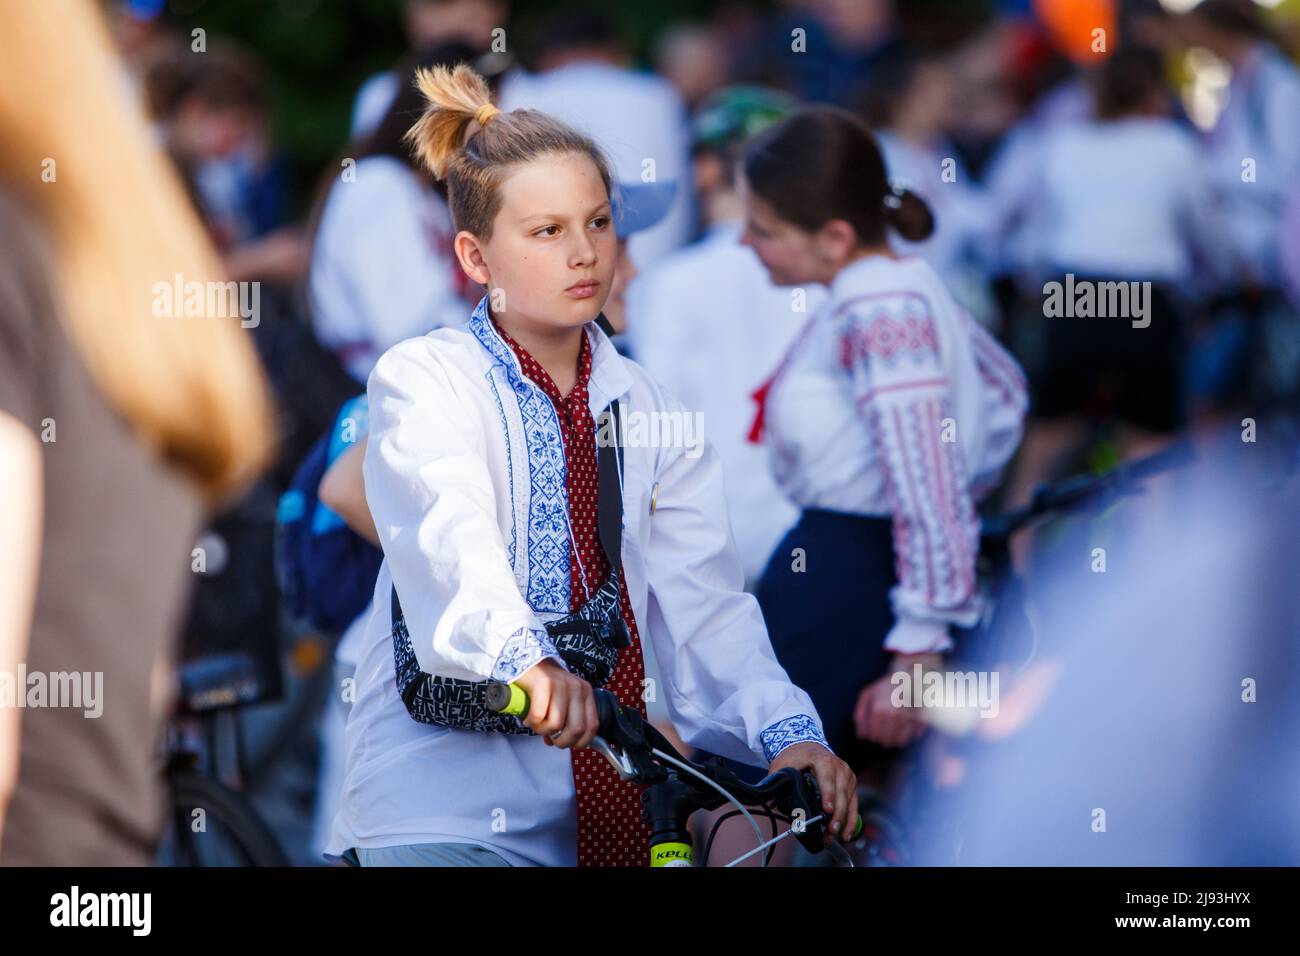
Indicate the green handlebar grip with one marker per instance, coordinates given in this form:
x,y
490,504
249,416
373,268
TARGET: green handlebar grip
x,y
509,699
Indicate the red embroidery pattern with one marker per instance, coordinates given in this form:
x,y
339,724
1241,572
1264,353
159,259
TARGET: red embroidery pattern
x,y
886,338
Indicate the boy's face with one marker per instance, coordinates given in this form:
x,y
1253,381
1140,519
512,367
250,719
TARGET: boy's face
x,y
551,259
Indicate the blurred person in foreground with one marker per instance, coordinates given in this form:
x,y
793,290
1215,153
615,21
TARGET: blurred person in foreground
x,y
711,325
118,428
1158,725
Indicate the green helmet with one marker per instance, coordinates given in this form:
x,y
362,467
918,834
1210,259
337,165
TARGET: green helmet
x,y
731,115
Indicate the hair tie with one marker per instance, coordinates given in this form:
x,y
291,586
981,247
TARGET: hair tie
x,y
485,113
894,198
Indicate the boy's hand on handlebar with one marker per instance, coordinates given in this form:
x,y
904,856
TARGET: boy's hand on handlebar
x,y
836,781
562,707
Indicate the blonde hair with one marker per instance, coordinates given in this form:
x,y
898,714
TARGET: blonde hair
x,y
120,222
474,161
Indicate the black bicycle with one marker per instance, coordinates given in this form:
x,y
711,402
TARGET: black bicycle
x,y
675,787
1004,633
212,821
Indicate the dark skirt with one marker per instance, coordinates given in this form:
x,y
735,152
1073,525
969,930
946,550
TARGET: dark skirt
x,y
825,599
827,611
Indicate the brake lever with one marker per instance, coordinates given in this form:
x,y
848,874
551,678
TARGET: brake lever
x,y
628,741
620,761
802,803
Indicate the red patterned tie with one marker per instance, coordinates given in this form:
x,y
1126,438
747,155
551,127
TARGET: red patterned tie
x,y
610,829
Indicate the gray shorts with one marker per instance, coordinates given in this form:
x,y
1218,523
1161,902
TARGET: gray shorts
x,y
424,854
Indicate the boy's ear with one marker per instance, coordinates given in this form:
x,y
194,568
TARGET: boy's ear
x,y
469,251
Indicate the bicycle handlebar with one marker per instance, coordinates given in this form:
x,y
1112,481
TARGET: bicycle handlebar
x,y
1053,498
640,753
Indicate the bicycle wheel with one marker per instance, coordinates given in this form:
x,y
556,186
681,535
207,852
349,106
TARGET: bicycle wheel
x,y
230,832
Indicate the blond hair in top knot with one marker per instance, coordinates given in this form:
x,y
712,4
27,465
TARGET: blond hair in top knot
x,y
474,162
455,95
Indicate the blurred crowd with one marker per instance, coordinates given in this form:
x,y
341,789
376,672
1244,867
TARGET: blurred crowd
x,y
1140,140
1129,140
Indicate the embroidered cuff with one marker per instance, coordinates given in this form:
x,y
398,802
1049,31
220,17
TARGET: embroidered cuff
x,y
792,730
524,648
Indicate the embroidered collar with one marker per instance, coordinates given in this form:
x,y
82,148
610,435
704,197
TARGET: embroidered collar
x,y
540,377
609,380
538,544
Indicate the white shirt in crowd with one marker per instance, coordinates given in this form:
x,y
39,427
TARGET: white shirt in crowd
x,y
372,101
638,119
459,443
381,264
963,220
1260,123
710,326
1127,198
1018,160
893,402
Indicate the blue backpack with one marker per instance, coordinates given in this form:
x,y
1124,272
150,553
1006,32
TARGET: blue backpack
x,y
327,571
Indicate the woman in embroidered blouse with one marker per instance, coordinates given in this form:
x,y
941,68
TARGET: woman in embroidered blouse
x,y
480,474
892,414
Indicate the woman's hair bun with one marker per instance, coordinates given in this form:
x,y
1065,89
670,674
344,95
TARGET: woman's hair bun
x,y
455,95
909,214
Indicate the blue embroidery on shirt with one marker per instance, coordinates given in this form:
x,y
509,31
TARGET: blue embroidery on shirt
x,y
548,543
510,464
792,730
